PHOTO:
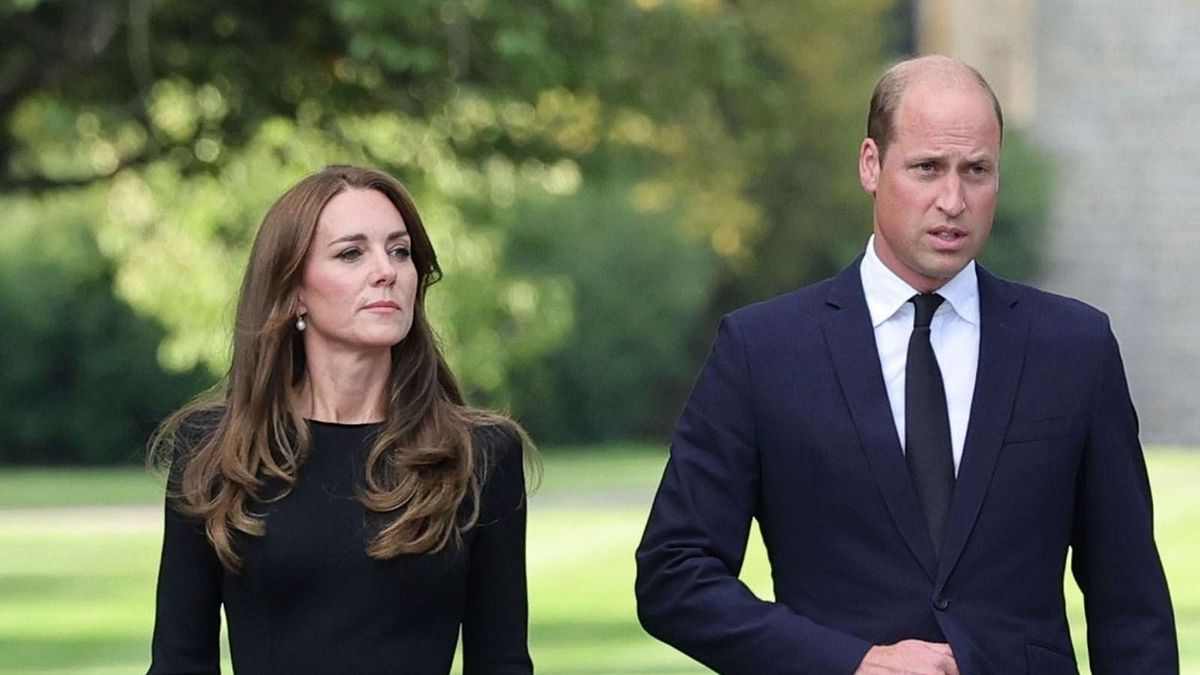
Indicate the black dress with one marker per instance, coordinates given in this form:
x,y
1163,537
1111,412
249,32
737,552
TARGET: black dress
x,y
308,599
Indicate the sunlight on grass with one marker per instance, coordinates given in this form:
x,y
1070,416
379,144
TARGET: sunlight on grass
x,y
77,584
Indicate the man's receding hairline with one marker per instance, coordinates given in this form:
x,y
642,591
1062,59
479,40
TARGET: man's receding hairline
x,y
949,75
933,85
951,71
889,92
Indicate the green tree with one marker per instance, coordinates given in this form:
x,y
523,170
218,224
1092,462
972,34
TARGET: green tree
x,y
661,159
1014,249
639,285
80,383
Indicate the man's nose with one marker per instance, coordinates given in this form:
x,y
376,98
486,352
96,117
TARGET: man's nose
x,y
952,200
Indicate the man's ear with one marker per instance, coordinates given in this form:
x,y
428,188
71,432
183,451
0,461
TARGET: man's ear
x,y
869,165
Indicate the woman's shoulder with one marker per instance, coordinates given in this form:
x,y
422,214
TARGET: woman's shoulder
x,y
190,429
502,449
199,424
181,436
500,466
497,437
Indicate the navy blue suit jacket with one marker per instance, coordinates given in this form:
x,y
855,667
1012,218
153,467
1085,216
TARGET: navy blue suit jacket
x,y
789,424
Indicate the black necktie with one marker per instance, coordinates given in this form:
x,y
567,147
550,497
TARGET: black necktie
x,y
927,424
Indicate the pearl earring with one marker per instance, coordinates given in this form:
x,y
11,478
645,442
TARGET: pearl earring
x,y
301,324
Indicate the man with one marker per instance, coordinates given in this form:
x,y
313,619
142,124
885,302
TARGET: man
x,y
920,441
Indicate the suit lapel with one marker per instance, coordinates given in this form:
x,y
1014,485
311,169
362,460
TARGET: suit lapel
x,y
1002,339
851,341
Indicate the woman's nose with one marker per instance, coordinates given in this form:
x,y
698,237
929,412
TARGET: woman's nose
x,y
383,272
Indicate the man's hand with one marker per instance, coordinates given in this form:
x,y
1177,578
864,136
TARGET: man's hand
x,y
909,657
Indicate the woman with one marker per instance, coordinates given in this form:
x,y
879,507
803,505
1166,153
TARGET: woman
x,y
335,494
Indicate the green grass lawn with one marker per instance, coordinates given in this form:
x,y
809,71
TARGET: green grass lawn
x,y
77,581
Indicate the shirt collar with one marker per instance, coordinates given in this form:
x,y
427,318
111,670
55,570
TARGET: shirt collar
x,y
887,293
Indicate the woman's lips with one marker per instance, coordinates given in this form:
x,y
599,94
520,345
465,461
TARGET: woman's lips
x,y
382,306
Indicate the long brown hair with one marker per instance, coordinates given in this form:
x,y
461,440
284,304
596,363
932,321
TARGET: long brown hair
x,y
223,446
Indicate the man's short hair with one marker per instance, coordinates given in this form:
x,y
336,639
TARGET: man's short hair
x,y
885,100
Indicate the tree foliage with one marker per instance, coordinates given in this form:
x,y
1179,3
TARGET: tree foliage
x,y
80,380
600,178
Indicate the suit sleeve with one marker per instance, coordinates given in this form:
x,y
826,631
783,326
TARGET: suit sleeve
x,y
495,625
1130,624
187,617
691,553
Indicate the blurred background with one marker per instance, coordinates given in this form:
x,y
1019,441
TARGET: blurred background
x,y
602,181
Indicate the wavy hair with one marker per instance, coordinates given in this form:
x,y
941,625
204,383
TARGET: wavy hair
x,y
223,447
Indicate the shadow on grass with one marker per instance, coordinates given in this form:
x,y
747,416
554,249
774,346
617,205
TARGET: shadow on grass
x,y
594,646
74,652
50,587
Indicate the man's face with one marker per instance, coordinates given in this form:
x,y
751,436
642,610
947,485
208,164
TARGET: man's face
x,y
935,191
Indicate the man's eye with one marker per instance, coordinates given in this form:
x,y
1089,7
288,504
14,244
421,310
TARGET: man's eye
x,y
350,255
926,167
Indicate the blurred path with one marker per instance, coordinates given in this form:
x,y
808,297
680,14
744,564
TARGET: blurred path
x,y
148,517
92,519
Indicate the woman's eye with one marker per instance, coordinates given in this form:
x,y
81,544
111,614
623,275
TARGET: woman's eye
x,y
402,253
349,255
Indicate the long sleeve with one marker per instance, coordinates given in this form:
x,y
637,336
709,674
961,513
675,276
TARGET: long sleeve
x,y
187,619
495,625
187,614
688,590
1130,624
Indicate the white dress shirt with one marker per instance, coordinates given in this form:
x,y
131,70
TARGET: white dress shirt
x,y
954,335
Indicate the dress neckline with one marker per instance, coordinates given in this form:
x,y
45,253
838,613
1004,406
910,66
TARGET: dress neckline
x,y
341,425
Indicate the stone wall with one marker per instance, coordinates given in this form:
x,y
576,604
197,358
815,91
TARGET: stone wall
x,y
1114,95
1118,107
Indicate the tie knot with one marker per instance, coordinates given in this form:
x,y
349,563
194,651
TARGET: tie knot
x,y
926,304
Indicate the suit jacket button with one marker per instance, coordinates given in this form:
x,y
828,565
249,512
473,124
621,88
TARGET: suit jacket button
x,y
941,603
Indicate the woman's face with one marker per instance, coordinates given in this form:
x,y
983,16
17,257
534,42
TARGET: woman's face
x,y
359,288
